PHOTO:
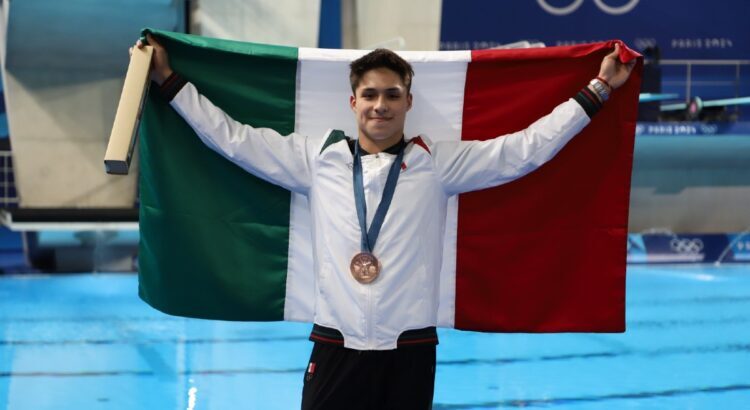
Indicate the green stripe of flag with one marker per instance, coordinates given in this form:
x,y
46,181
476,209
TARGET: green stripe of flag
x,y
214,239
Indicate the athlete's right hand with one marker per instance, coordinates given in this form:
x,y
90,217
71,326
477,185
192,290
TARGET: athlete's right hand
x,y
160,69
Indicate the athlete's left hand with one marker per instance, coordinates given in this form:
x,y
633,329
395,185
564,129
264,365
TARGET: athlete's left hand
x,y
614,71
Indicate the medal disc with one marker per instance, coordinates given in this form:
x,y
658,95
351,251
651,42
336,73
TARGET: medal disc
x,y
365,267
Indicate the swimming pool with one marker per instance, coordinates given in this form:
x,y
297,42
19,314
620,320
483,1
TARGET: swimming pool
x,y
88,342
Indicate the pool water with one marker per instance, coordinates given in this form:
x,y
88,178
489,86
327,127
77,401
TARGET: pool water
x,y
87,342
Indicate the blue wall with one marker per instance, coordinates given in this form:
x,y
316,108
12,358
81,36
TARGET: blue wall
x,y
683,29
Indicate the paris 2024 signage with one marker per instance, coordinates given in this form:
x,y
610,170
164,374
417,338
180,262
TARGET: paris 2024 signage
x,y
682,29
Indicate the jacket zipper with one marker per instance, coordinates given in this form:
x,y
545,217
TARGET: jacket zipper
x,y
369,319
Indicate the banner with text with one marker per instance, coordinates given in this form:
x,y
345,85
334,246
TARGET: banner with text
x,y
682,29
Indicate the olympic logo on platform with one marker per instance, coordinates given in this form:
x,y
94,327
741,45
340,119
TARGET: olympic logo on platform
x,y
565,10
686,245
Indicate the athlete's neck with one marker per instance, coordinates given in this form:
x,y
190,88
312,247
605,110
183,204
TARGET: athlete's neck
x,y
372,146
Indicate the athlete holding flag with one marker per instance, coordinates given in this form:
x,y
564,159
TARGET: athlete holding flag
x,y
378,205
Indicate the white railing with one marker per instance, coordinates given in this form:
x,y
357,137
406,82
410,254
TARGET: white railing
x,y
689,64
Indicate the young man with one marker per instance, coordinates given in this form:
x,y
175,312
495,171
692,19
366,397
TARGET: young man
x,y
378,206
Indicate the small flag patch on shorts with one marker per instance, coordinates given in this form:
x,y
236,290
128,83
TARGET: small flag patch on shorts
x,y
310,371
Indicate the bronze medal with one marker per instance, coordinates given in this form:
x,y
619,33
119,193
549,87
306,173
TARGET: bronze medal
x,y
365,267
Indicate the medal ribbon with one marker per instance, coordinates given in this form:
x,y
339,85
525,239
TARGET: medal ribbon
x,y
369,237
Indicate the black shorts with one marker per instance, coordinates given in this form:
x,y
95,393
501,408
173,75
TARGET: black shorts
x,y
341,378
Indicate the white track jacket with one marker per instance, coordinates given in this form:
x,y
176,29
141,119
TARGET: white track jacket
x,y
406,295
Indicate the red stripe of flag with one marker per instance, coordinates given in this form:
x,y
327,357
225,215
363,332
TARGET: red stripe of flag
x,y
546,253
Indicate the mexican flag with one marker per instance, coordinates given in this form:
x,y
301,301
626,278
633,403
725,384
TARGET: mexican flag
x,y
545,253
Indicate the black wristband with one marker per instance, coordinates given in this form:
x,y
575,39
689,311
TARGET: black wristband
x,y
588,101
171,86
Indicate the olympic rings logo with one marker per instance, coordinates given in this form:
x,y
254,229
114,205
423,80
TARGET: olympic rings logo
x,y
685,245
565,10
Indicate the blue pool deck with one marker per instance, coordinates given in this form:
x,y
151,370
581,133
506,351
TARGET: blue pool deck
x,y
88,342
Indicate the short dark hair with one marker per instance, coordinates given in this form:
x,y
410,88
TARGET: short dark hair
x,y
380,58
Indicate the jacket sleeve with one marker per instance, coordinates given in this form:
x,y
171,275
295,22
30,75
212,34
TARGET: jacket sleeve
x,y
464,166
280,160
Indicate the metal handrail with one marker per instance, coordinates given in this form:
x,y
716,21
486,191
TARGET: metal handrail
x,y
689,66
703,62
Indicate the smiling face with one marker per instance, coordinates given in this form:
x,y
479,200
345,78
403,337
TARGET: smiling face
x,y
380,103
